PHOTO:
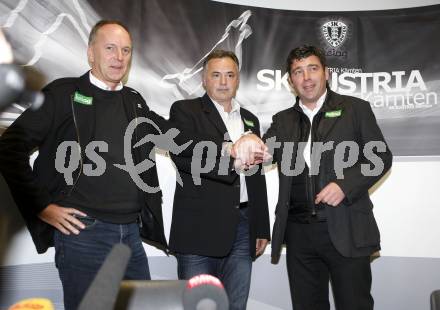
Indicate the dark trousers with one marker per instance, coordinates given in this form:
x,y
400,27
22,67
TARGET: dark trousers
x,y
233,270
79,257
312,261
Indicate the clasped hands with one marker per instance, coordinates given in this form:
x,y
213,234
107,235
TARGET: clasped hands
x,y
249,151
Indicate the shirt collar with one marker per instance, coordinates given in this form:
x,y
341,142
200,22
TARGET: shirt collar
x,y
100,84
235,106
319,104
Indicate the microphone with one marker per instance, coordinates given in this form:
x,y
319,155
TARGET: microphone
x,y
104,289
32,304
205,292
13,88
202,292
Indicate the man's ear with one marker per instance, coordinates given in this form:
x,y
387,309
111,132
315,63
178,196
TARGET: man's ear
x,y
203,81
289,80
292,89
90,55
327,73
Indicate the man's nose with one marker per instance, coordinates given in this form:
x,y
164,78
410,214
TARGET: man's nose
x,y
119,54
306,75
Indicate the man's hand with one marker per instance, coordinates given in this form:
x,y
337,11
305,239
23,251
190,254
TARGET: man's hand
x,y
239,165
62,219
250,150
261,246
331,194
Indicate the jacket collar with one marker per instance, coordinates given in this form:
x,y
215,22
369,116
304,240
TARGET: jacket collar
x,y
213,115
249,122
331,113
85,115
332,103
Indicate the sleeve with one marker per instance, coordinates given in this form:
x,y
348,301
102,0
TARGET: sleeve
x,y
186,133
356,182
263,219
17,143
222,170
270,138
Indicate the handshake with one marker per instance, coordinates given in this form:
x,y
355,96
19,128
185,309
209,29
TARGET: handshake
x,y
249,151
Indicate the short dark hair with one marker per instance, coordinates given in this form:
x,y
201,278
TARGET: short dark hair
x,y
102,23
305,51
215,54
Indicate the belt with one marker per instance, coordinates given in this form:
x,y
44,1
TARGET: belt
x,y
307,218
243,205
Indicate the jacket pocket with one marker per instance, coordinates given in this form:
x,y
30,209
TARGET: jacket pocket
x,y
364,227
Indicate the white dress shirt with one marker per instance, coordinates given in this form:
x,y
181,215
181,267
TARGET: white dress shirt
x,y
311,114
235,127
100,84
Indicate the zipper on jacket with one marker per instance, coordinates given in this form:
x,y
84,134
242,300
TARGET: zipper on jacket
x,y
312,194
132,151
310,179
79,146
136,122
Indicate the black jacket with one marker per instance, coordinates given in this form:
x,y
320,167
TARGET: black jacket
x,y
61,119
205,216
352,227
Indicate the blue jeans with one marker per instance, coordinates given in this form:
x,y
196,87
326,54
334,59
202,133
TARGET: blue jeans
x,y
234,270
79,257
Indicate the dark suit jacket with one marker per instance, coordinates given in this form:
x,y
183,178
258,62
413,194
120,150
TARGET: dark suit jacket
x,y
60,119
352,227
205,216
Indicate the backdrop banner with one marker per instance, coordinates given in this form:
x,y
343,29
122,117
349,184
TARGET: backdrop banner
x,y
386,57
389,58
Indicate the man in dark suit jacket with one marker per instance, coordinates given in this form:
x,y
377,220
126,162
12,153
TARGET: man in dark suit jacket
x,y
84,217
324,214
220,223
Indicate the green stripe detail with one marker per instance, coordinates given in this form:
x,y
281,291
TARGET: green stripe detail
x,y
79,98
331,114
248,122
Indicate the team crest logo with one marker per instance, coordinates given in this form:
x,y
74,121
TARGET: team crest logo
x,y
335,32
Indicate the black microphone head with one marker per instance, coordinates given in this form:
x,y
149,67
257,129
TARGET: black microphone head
x,y
13,87
104,289
12,84
205,292
33,98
